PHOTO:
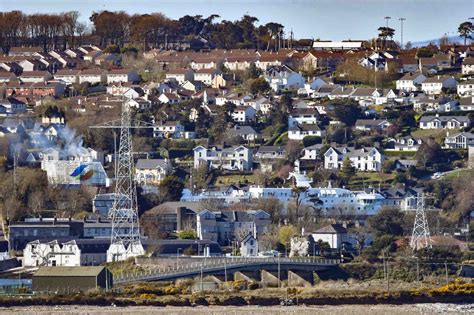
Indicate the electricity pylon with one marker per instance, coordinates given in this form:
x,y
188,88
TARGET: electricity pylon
x,y
420,237
125,239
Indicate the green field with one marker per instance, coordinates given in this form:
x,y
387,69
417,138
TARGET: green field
x,y
426,133
225,180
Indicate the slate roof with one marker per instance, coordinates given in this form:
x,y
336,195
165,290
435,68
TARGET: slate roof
x,y
332,229
151,163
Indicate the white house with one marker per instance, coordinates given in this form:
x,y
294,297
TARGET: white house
x,y
239,62
283,78
407,143
458,140
169,98
312,152
233,158
151,171
93,76
35,76
247,133
172,130
248,246
466,88
70,76
122,75
436,84
444,122
334,235
410,82
52,253
303,116
372,124
206,75
299,131
466,104
243,114
180,75
364,159
467,66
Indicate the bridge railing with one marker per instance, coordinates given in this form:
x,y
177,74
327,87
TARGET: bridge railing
x,y
207,265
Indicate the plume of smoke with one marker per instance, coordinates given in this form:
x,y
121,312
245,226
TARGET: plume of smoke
x,y
72,144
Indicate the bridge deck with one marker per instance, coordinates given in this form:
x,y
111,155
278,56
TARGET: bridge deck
x,y
216,266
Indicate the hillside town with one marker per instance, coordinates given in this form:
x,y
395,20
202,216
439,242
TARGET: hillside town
x,y
286,148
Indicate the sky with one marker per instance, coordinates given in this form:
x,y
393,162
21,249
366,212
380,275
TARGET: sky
x,y
323,19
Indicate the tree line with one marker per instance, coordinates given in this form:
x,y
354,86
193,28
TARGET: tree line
x,y
144,31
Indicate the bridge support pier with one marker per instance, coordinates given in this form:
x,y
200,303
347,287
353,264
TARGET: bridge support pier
x,y
270,278
249,276
300,278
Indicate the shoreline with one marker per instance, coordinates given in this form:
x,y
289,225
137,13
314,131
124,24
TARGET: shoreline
x,y
446,308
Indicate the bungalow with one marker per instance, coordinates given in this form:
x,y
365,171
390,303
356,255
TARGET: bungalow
x,y
467,66
180,75
458,140
466,88
206,75
340,92
444,122
247,133
122,75
407,143
436,84
243,114
270,152
238,158
364,159
299,131
70,76
152,171
363,95
194,86
93,76
372,124
411,81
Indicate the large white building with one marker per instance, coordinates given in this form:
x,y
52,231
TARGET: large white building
x,y
235,158
283,78
52,253
363,159
436,84
410,81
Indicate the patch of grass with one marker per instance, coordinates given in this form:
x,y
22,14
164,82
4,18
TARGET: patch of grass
x,y
426,133
362,179
459,174
225,180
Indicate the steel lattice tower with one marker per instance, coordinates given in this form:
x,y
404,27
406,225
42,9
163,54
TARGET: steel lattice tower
x,y
125,239
420,237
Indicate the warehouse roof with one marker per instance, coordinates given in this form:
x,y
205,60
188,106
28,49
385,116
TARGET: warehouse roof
x,y
60,271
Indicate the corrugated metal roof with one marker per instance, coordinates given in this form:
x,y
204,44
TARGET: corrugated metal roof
x,y
60,271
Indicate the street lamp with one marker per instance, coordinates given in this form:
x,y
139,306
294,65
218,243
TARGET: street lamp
x,y
401,31
386,19
177,257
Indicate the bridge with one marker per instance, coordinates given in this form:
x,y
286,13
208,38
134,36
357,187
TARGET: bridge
x,y
266,269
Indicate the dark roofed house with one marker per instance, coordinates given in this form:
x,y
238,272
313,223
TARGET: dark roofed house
x,y
372,124
246,132
72,279
187,247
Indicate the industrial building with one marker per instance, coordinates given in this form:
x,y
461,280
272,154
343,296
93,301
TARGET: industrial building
x,y
72,279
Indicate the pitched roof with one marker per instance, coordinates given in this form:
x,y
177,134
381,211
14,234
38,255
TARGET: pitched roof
x,y
332,229
60,271
151,163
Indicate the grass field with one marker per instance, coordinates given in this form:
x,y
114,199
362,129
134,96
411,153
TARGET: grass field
x,y
459,174
426,133
371,179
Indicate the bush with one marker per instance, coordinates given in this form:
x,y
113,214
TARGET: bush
x,y
311,140
359,271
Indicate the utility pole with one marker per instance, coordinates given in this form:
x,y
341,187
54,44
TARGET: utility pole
x,y
279,281
386,19
201,278
417,270
446,270
401,32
